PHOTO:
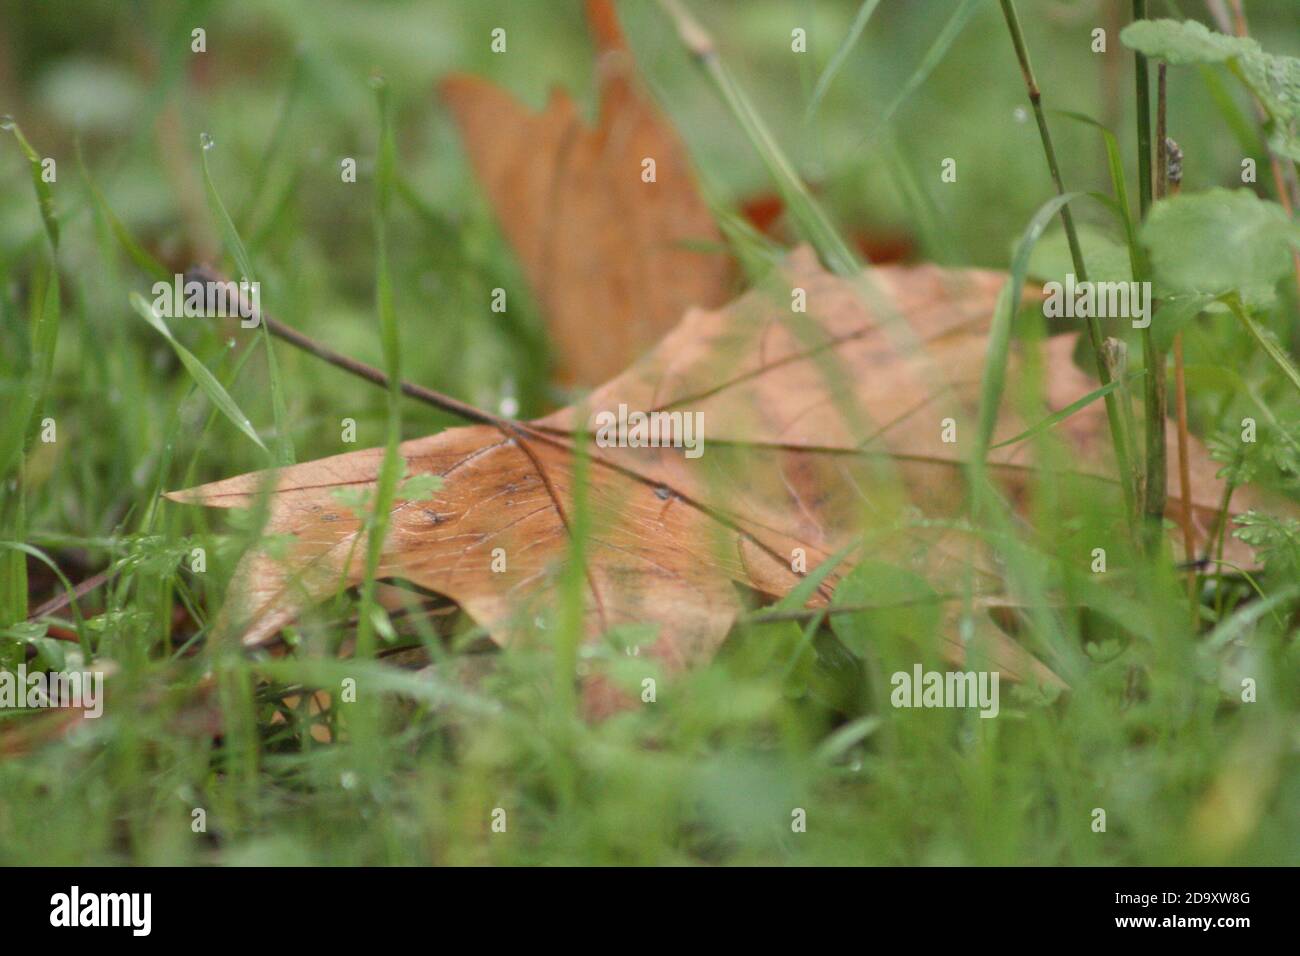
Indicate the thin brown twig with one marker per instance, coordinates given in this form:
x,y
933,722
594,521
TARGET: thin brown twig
x,y
1184,464
520,432
1174,181
60,601
1219,11
808,613
1169,177
371,374
1155,398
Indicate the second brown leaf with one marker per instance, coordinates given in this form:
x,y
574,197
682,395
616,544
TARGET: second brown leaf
x,y
613,259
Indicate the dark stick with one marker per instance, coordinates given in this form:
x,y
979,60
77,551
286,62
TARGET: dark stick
x,y
808,613
1154,491
1143,118
427,395
60,601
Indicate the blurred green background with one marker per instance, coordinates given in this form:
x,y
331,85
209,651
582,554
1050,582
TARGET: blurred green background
x,y
111,90
282,90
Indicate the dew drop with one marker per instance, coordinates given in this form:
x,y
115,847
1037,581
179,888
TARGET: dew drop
x,y
7,122
1021,114
205,141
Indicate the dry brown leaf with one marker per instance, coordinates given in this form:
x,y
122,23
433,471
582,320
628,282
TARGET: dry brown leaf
x,y
789,462
613,261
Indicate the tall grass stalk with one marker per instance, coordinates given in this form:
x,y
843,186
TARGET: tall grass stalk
x,y
814,222
1114,415
1155,399
15,428
390,469
837,61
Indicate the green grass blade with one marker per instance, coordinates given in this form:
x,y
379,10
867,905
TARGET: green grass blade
x,y
804,590
1266,342
1227,379
284,444
45,308
198,371
755,252
1239,623
1024,569
1243,129
799,596
935,237
137,253
279,135
999,347
799,202
573,587
229,233
391,467
73,604
1140,270
841,55
1059,416
938,50
1115,164
44,196
45,314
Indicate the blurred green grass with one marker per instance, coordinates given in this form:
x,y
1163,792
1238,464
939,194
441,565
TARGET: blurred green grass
x,y
712,773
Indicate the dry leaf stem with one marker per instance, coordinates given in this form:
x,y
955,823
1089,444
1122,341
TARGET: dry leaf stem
x,y
1171,177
